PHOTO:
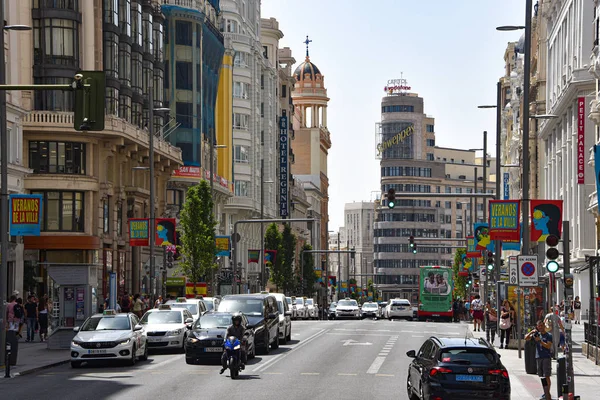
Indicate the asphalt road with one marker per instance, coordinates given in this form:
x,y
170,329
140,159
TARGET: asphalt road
x,y
325,359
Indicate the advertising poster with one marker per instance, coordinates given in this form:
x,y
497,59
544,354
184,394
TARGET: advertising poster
x,y
482,237
138,232
165,234
80,304
471,248
534,309
223,246
25,214
504,219
546,219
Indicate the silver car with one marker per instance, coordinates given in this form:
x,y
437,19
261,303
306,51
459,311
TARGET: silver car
x,y
166,328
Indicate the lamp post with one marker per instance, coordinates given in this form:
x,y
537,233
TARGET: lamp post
x,y
263,272
4,187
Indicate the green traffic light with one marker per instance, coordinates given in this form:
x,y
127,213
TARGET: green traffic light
x,y
414,251
391,204
552,266
490,266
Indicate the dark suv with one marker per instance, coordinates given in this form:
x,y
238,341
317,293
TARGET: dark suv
x,y
262,313
457,368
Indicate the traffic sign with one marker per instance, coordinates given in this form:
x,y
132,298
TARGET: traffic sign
x,y
513,270
528,275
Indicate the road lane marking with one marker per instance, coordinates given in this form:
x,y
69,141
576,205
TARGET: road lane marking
x,y
310,373
347,374
384,374
377,363
272,373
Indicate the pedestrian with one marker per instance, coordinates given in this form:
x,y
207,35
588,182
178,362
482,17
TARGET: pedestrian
x,y
467,311
577,308
31,315
491,320
14,313
506,321
158,302
543,355
455,310
43,318
138,305
554,326
477,308
19,312
125,302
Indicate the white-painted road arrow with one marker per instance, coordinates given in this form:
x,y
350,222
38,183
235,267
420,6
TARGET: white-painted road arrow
x,y
350,342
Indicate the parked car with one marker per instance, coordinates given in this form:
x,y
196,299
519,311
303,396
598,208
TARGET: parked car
x,y
445,368
291,306
300,305
285,318
262,313
312,310
399,308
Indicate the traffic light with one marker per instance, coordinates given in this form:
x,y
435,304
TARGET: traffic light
x,y
391,198
490,260
412,244
552,253
90,101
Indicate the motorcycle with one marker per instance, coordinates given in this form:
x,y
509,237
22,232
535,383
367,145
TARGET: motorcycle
x,y
233,347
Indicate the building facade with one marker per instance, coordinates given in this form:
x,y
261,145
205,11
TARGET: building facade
x,y
358,227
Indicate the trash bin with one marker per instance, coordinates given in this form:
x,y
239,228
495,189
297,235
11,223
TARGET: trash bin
x,y
530,362
13,341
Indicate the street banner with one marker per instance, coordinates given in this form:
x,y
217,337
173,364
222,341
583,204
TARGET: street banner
x,y
471,251
581,140
597,169
482,237
25,214
138,232
270,256
223,246
253,256
165,234
504,219
467,265
528,270
546,219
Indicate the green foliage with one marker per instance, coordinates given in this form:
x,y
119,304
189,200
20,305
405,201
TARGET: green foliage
x,y
273,241
197,233
288,248
459,281
309,276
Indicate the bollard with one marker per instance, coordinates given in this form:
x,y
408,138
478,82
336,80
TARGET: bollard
x,y
7,361
561,375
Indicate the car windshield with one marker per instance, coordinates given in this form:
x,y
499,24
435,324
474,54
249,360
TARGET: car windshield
x,y
299,301
162,317
404,303
332,306
369,305
246,306
209,305
192,308
309,302
289,300
468,356
212,321
106,324
347,303
280,307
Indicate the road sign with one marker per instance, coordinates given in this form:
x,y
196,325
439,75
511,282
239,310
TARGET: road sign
x,y
528,266
513,270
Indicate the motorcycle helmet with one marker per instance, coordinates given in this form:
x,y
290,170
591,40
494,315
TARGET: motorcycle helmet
x,y
236,317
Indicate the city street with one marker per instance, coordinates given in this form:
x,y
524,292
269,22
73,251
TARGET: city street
x,y
343,359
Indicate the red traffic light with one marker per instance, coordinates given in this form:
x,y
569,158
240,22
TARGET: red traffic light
x,y
552,240
490,254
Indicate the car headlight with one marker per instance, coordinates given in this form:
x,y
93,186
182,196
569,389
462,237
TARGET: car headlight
x,y
124,341
192,340
76,343
175,332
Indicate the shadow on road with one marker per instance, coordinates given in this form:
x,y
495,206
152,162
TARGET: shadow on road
x,y
243,377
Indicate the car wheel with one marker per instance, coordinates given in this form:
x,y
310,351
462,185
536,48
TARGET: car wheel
x,y
182,349
409,389
189,360
133,358
144,357
75,364
265,349
289,336
253,354
275,344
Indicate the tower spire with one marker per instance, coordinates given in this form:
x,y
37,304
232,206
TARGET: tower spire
x,y
307,41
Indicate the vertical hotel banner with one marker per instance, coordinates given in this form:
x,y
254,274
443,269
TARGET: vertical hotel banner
x,y
546,219
581,140
504,219
25,214
283,166
164,231
138,232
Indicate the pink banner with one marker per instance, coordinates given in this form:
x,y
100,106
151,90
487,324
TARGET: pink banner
x,y
581,140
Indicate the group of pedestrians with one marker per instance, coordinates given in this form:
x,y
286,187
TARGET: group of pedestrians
x,y
33,316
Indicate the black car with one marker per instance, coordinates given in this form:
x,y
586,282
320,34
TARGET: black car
x,y
457,368
207,335
263,316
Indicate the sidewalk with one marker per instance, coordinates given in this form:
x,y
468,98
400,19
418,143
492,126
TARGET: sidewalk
x,y
525,386
35,356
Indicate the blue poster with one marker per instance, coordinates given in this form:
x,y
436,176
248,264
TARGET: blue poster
x,y
481,232
25,214
597,168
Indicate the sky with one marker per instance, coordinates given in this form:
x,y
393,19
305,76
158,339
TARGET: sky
x,y
448,50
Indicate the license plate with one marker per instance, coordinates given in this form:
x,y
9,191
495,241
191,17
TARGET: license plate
x,y
469,378
97,351
154,339
213,349
400,308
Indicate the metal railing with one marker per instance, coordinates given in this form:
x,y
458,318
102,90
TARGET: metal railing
x,y
589,331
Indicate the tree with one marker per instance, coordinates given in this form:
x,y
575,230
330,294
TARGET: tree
x,y
307,272
288,249
197,233
460,282
273,242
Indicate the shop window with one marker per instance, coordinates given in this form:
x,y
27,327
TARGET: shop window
x,y
62,211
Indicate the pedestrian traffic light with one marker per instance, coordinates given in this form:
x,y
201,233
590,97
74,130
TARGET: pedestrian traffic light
x,y
391,198
90,101
552,253
490,260
412,244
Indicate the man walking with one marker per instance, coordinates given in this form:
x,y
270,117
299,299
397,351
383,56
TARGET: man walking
x,y
543,355
31,313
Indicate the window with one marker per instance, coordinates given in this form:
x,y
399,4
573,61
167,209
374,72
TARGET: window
x,y
283,91
184,114
57,157
184,75
55,41
240,59
136,24
430,157
136,72
158,42
125,17
241,188
266,52
240,154
386,109
241,121
125,64
448,205
62,211
241,90
148,43
232,26
111,12
430,129
183,33
120,218
106,215
430,142
174,197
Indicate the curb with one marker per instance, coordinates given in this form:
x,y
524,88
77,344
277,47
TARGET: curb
x,y
36,369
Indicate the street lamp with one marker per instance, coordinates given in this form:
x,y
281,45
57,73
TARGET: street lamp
x,y
263,270
4,188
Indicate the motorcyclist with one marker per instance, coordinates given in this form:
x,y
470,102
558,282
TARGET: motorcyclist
x,y
235,329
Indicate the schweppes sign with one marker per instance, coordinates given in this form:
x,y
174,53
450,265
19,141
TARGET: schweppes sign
x,y
398,138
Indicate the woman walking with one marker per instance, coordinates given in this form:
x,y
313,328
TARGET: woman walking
x,y
577,308
506,320
491,320
138,305
43,318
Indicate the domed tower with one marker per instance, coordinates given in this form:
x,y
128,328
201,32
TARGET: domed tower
x,y
311,142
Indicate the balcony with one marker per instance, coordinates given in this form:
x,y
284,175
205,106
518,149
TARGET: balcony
x,y
237,38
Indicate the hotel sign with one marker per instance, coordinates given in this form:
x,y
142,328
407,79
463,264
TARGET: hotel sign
x,y
283,166
581,140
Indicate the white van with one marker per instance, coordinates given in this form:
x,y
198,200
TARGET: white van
x,y
285,318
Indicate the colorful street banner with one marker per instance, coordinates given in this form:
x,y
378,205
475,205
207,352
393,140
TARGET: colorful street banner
x,y
253,256
467,265
25,214
471,251
546,219
138,232
504,219
597,169
482,237
270,256
581,140
511,244
223,246
165,234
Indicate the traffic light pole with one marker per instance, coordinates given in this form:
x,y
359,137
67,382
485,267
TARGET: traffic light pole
x,y
568,296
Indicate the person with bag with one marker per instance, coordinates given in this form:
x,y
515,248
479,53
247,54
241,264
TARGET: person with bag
x,y
138,305
491,320
577,308
505,323
477,307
